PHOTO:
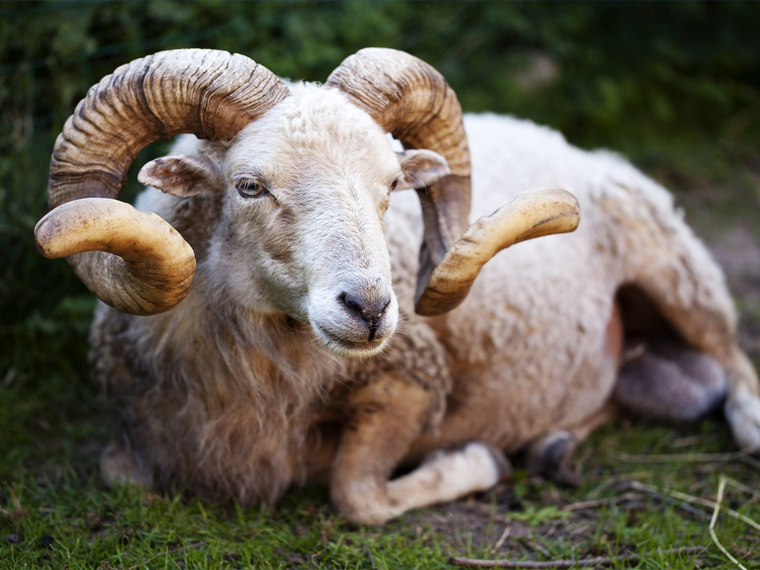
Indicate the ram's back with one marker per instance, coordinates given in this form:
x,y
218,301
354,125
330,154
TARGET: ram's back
x,y
534,324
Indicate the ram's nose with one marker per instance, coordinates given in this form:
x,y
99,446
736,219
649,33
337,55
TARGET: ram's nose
x,y
368,308
355,319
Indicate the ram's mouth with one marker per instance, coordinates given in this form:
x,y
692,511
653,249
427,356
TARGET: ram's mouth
x,y
346,347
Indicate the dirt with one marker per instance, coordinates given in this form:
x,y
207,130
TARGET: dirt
x,y
482,520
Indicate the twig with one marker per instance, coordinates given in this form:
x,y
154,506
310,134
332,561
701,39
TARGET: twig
x,y
501,540
598,561
694,500
607,480
654,492
533,545
716,510
680,457
742,487
598,502
689,458
749,460
686,441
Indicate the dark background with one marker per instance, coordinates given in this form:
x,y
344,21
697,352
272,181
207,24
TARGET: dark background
x,y
675,86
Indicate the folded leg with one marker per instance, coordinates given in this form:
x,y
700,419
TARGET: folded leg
x,y
385,418
663,379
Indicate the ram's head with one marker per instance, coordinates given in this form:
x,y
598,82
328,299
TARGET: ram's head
x,y
304,181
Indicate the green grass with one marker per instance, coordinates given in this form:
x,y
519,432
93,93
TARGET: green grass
x,y
56,512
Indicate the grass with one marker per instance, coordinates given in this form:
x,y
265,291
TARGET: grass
x,y
56,513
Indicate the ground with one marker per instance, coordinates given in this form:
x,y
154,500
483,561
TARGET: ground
x,y
57,513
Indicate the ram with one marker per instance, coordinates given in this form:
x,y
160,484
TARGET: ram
x,y
274,324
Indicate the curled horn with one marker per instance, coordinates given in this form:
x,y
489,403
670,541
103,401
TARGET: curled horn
x,y
134,261
530,215
412,101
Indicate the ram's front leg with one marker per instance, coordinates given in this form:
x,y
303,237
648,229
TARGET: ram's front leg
x,y
385,417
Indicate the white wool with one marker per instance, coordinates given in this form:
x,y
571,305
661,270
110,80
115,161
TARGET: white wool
x,y
523,355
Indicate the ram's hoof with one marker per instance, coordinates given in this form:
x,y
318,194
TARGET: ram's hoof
x,y
552,457
743,414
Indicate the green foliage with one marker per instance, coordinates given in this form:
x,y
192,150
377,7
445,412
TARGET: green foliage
x,y
686,67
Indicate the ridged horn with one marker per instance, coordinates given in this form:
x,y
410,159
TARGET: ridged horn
x,y
530,215
411,100
142,265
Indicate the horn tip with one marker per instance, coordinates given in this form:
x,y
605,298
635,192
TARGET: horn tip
x,y
44,232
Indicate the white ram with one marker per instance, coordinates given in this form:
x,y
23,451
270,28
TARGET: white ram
x,y
244,388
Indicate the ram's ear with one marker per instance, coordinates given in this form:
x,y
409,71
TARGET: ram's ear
x,y
183,175
421,168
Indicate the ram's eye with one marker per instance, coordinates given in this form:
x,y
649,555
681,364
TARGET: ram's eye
x,y
250,188
394,184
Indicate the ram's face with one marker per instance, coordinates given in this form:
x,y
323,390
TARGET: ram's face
x,y
306,211
305,189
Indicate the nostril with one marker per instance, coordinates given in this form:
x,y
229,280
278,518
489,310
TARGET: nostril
x,y
352,303
369,310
